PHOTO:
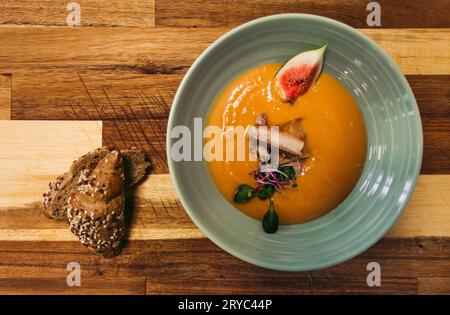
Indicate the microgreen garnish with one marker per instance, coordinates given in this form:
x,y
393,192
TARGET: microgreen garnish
x,y
269,180
270,220
243,194
265,192
280,178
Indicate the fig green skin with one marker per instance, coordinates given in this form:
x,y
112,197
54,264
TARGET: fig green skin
x,y
299,73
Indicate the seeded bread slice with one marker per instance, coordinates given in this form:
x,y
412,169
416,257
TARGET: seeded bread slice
x,y
96,207
135,166
55,198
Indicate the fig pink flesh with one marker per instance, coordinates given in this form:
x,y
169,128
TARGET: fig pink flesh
x,y
297,80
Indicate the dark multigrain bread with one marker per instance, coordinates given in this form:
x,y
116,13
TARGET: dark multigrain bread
x,y
55,198
96,208
135,165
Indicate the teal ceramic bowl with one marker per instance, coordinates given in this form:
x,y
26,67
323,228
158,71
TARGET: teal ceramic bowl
x,y
394,150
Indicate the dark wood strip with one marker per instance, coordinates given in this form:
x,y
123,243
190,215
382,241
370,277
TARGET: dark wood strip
x,y
317,285
433,97
92,95
146,134
111,95
114,13
436,153
215,13
172,264
5,96
339,285
89,286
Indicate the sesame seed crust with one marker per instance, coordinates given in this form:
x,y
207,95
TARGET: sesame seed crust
x,y
55,198
96,208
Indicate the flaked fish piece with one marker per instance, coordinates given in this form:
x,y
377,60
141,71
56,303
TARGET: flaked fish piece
x,y
289,158
261,120
260,150
294,128
284,141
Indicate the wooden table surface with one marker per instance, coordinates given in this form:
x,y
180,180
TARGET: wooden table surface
x,y
67,90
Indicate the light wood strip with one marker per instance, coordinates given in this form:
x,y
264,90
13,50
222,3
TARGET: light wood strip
x,y
159,215
31,150
147,50
5,96
428,213
64,235
111,13
416,51
434,285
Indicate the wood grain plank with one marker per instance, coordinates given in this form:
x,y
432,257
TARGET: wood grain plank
x,y
92,95
146,134
434,285
218,13
64,235
90,88
116,95
198,266
133,106
33,150
226,277
146,49
111,13
399,269
433,97
5,96
428,213
436,155
144,100
320,285
408,49
89,286
157,214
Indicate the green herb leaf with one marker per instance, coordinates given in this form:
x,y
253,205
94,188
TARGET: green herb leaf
x,y
243,194
270,220
289,171
265,192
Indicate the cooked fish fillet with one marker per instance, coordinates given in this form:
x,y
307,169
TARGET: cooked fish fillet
x,y
284,141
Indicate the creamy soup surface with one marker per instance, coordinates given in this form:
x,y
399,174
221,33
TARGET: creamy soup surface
x,y
335,138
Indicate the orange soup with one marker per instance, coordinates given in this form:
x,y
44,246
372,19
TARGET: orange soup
x,y
335,137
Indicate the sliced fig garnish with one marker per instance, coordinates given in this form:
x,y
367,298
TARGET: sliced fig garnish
x,y
298,74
